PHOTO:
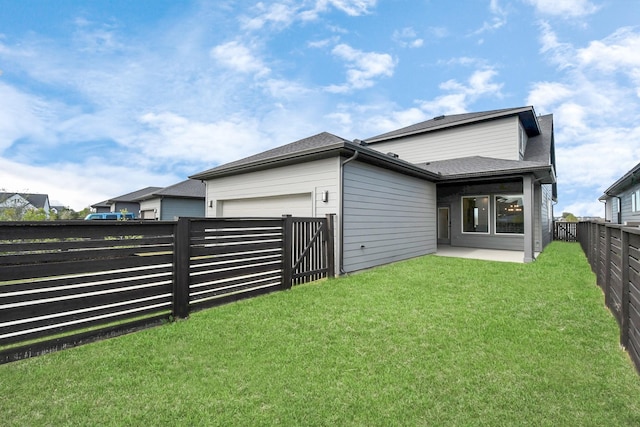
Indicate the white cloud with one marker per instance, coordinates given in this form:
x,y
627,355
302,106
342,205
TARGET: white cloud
x,y
279,14
618,53
79,185
20,117
239,57
564,8
171,136
461,95
498,19
595,114
407,37
362,68
350,7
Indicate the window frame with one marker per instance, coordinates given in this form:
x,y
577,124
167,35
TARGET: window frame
x,y
495,216
488,197
635,201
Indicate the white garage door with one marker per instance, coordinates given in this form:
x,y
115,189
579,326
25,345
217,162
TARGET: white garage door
x,y
290,204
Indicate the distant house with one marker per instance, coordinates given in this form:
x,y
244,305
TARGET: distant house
x,y
129,202
483,180
622,199
184,199
24,201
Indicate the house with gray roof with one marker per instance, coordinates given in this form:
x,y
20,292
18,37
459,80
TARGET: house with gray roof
x,y
184,199
622,199
24,202
484,180
128,202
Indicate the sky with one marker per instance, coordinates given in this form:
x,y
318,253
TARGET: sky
x,y
99,99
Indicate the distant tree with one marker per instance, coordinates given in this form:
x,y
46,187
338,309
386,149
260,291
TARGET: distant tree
x,y
569,217
34,215
16,211
83,213
10,214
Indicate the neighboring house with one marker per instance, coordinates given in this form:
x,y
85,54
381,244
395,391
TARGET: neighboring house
x,y
622,199
184,199
25,201
484,180
128,202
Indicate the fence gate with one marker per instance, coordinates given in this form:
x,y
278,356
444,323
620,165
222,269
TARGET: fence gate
x,y
565,231
311,248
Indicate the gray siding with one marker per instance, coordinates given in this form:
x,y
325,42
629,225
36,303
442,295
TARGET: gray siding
x,y
452,196
546,215
626,213
387,216
498,139
173,208
132,207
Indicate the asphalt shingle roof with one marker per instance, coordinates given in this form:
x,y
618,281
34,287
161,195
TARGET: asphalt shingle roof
x,y
309,144
478,165
189,188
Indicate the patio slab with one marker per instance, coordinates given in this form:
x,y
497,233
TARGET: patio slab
x,y
484,254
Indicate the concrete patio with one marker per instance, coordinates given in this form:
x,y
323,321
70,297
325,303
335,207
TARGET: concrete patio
x,y
484,254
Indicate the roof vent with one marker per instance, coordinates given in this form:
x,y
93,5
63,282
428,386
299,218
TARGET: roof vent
x,y
359,142
394,155
439,117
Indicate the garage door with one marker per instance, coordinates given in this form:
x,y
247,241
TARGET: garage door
x,y
290,204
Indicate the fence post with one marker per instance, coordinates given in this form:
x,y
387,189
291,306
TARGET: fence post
x,y
331,261
181,261
606,276
287,231
624,324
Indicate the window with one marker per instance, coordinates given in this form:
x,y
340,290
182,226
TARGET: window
x,y
635,201
510,214
522,140
475,214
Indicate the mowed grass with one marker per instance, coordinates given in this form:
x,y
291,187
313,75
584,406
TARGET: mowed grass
x,y
429,341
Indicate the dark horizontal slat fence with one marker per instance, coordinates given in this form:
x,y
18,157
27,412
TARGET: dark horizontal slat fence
x,y
66,283
613,252
565,231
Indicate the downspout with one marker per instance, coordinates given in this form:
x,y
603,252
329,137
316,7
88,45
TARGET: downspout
x,y
355,156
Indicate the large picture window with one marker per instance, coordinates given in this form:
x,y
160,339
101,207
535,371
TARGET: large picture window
x,y
475,214
509,214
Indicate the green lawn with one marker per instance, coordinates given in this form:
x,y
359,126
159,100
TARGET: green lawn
x,y
430,341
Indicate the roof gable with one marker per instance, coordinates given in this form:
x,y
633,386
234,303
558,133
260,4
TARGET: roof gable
x,y
36,200
628,180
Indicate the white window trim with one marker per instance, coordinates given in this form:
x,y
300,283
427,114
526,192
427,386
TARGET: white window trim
x,y
488,196
495,216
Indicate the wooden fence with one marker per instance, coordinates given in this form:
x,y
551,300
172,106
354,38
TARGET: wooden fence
x,y
67,283
565,231
613,252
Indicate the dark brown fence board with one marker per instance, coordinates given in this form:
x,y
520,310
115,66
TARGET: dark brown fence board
x,y
33,271
61,343
61,278
613,251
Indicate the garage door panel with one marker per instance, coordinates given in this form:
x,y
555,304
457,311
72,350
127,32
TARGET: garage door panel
x,y
290,204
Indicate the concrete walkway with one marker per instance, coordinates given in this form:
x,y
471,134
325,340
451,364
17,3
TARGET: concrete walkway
x,y
484,254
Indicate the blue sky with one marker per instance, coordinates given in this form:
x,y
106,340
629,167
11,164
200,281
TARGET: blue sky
x,y
98,99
